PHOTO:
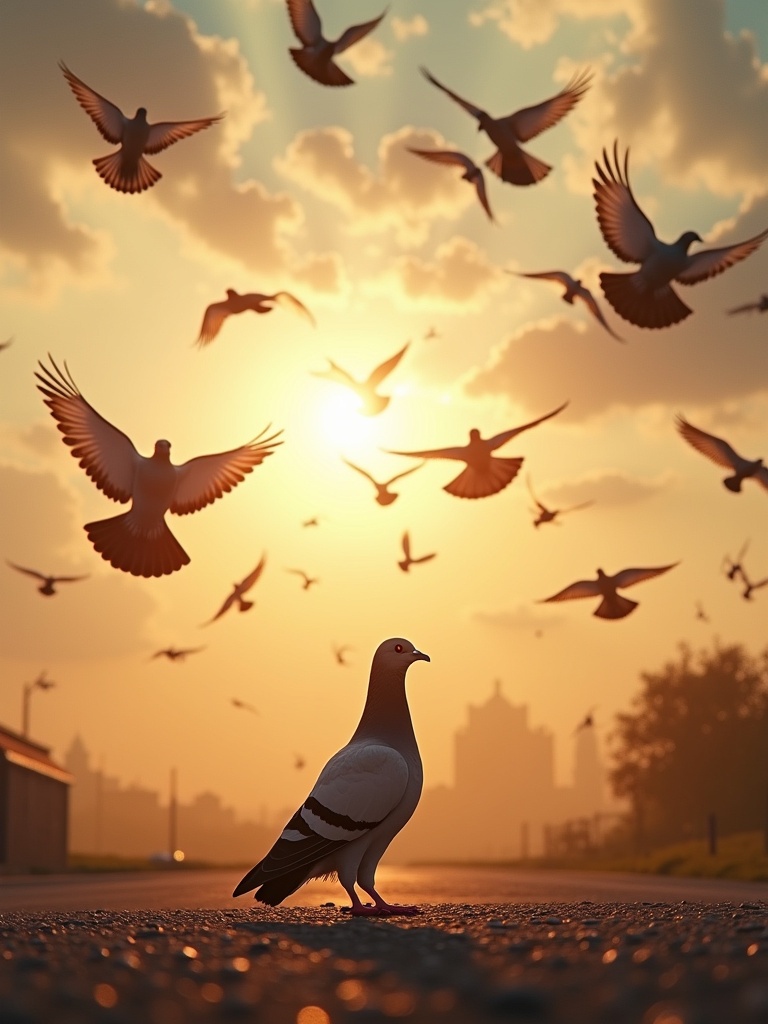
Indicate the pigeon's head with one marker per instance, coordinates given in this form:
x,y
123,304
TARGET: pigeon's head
x,y
163,449
685,240
141,114
397,655
474,434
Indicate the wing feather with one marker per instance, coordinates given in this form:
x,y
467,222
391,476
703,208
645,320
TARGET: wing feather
x,y
386,367
305,21
355,33
507,435
582,588
531,121
715,448
436,453
165,133
469,107
711,262
208,477
628,577
108,118
627,231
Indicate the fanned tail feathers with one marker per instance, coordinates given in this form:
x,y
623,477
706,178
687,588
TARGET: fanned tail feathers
x,y
126,179
119,543
474,483
645,308
614,607
518,167
325,72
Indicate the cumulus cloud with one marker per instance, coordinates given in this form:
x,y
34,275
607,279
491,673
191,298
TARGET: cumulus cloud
x,y
370,58
533,22
606,488
407,28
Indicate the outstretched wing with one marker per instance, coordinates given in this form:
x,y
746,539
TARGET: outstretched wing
x,y
582,588
354,33
406,472
29,572
436,453
246,584
627,231
590,302
106,454
363,472
749,307
213,318
406,542
711,262
165,133
289,301
208,477
507,435
469,107
628,577
305,21
558,276
531,121
108,118
715,448
386,367
445,156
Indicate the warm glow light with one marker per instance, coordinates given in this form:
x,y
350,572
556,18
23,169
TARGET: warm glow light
x,y
178,856
341,424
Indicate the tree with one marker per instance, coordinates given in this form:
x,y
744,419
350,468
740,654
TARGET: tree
x,y
696,744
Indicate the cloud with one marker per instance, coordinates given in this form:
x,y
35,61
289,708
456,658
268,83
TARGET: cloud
x,y
408,28
533,22
520,619
606,488
369,58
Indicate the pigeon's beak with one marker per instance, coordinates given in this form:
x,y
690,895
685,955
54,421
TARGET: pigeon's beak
x,y
420,656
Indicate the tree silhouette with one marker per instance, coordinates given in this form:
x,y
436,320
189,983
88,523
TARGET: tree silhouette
x,y
696,744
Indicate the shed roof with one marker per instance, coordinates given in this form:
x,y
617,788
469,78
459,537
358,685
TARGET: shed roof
x,y
19,750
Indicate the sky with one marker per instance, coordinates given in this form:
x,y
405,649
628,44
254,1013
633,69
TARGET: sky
x,y
312,190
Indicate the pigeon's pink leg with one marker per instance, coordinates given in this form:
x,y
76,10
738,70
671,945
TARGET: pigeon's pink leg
x,y
379,909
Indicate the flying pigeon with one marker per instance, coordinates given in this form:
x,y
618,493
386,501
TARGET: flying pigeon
x,y
339,652
6,344
314,521
383,495
407,560
431,334
372,402
176,654
243,705
549,515
735,568
472,172
139,541
700,613
510,162
646,297
127,170
307,581
587,722
363,797
574,289
217,312
752,307
720,451
749,587
315,57
485,474
48,582
238,592
299,763
612,605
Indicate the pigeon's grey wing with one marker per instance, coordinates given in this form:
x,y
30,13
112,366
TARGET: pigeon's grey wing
x,y
406,472
406,542
582,588
305,21
29,572
715,448
165,133
499,439
206,478
386,367
213,318
711,262
335,373
435,453
106,454
445,156
289,301
469,107
628,577
590,302
364,473
531,121
762,477
252,577
106,116
627,231
355,33
559,276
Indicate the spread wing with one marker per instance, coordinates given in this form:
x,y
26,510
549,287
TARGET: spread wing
x,y
715,448
165,133
749,307
406,542
386,367
628,577
354,33
531,121
305,21
559,276
106,116
627,231
435,453
336,374
711,262
507,435
29,572
106,454
208,477
582,588
590,302
252,577
445,156
363,472
469,107
406,472
288,301
213,318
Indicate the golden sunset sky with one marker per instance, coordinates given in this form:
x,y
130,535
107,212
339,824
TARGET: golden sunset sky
x,y
312,190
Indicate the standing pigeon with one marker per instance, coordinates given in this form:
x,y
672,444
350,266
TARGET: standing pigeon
x,y
752,307
472,172
217,312
574,289
646,297
549,515
363,797
720,451
407,561
48,582
510,162
315,57
139,541
383,495
372,402
239,590
485,474
127,170
612,606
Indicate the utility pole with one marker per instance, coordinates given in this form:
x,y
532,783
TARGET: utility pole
x,y
172,819
41,683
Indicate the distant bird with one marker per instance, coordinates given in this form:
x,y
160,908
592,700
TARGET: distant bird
x,y
315,57
48,582
339,652
176,654
127,170
510,162
314,521
700,613
472,172
485,474
372,402
646,297
307,580
42,682
299,763
574,289
361,800
612,605
735,568
587,722
749,587
238,592
408,561
139,541
549,515
217,312
431,334
719,451
6,344
752,307
244,706
383,495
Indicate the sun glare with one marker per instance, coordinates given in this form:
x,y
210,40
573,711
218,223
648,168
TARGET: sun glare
x,y
340,422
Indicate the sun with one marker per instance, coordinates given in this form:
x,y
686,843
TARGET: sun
x,y
340,424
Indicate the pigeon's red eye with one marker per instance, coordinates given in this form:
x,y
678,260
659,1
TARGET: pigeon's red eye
x,y
399,648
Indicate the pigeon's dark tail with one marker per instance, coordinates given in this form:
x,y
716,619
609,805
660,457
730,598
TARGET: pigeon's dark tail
x,y
518,167
614,607
733,483
120,543
276,889
479,483
659,308
324,72
126,177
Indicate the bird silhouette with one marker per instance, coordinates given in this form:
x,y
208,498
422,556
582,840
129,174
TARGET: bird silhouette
x,y
646,297
299,763
720,452
314,521
587,722
612,605
574,289
752,307
339,652
511,163
372,403
549,515
307,580
430,334
383,495
217,312
701,615
6,344
485,474
243,705
472,172
48,582
735,568
139,541
127,170
315,57
239,590
408,561
176,654
749,586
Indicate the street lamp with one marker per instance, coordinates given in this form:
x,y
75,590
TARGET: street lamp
x,y
41,683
